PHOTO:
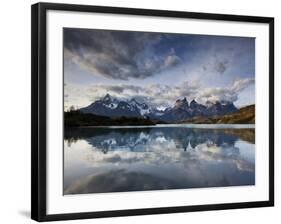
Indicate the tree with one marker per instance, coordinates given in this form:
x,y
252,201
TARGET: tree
x,y
72,108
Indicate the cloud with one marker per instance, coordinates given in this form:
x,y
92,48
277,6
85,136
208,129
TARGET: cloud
x,y
218,55
227,94
217,64
241,84
118,54
221,66
171,60
155,95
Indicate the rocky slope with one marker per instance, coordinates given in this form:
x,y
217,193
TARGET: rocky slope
x,y
245,115
181,111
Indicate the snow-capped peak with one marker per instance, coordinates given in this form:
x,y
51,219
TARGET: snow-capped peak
x,y
107,97
133,102
182,110
141,107
110,102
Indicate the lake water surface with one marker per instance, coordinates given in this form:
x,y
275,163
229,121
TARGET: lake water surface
x,y
137,158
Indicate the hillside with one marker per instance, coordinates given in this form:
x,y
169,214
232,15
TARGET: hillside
x,y
76,118
245,115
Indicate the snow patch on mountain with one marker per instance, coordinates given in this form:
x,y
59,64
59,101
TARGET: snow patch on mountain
x,y
182,110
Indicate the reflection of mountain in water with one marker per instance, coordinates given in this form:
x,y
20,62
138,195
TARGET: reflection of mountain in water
x,y
133,159
130,139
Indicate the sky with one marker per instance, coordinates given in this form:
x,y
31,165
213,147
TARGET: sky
x,y
157,68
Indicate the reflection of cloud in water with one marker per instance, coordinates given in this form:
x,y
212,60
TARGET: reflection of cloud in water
x,y
161,158
120,180
158,155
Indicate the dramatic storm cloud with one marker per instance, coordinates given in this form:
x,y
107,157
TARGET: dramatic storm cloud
x,y
157,68
117,55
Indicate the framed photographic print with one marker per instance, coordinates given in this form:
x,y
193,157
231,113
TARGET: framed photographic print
x,y
139,111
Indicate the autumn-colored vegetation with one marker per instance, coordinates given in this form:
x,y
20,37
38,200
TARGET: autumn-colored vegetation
x,y
245,115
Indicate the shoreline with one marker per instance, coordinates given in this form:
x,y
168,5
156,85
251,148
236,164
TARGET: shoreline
x,y
198,126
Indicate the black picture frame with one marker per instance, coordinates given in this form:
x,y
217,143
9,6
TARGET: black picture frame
x,y
39,122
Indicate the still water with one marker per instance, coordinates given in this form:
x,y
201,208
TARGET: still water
x,y
116,159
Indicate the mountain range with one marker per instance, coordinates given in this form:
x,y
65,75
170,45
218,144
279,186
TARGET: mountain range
x,y
182,110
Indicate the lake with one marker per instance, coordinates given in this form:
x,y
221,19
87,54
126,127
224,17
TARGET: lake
x,y
138,158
